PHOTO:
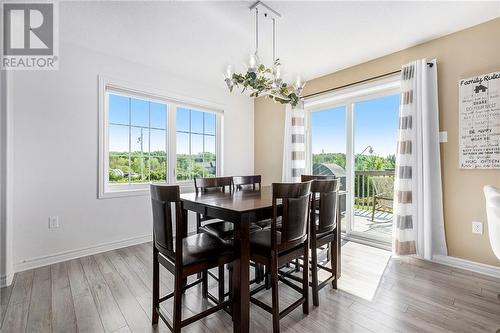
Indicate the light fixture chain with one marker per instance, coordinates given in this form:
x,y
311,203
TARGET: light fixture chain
x,y
274,39
256,30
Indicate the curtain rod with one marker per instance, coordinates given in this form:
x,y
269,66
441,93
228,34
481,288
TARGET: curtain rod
x,y
430,64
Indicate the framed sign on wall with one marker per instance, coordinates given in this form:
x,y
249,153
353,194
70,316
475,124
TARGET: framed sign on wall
x,y
479,122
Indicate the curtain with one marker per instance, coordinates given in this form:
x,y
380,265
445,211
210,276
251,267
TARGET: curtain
x,y
294,144
418,208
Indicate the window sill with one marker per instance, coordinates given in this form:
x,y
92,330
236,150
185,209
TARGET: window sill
x,y
138,190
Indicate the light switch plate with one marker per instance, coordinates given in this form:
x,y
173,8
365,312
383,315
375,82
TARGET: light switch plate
x,y
477,227
443,136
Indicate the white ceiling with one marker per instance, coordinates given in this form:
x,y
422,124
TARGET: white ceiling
x,y
196,40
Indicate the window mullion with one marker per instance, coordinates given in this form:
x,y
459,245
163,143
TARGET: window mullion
x,y
129,138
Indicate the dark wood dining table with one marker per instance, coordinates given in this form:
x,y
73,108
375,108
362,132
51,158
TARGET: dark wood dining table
x,y
240,207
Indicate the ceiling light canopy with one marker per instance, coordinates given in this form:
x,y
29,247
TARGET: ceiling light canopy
x,y
259,79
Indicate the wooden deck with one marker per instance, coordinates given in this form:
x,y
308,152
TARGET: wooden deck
x,y
111,292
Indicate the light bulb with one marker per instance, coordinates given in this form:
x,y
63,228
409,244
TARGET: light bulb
x,y
277,72
253,62
229,71
298,82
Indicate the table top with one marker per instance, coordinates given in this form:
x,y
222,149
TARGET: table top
x,y
240,200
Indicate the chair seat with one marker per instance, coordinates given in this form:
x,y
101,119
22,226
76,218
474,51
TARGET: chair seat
x,y
267,223
260,241
200,248
224,230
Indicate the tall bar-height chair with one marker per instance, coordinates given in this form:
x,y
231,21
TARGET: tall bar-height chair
x,y
323,224
180,255
274,248
242,182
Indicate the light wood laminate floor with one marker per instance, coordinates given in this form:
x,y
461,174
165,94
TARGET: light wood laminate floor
x,y
111,292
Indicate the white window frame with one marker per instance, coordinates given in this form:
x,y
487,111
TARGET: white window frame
x,y
172,101
347,97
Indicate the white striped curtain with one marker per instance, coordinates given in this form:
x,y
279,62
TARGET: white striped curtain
x,y
418,209
294,145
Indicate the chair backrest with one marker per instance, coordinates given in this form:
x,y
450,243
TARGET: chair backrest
x,y
325,192
241,182
306,178
295,203
162,197
492,195
213,183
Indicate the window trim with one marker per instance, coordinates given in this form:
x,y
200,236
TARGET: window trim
x,y
172,101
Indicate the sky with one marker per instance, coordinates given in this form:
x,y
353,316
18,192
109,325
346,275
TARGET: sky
x,y
375,124
201,125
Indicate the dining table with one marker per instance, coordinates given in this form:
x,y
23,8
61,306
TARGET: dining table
x,y
241,207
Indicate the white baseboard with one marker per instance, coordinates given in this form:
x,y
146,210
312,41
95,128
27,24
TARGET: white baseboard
x,y
6,280
467,265
78,253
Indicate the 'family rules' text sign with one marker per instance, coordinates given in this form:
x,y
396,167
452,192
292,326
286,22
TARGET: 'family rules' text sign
x,y
479,127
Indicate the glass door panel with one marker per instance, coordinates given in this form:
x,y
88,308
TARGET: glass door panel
x,y
328,148
375,126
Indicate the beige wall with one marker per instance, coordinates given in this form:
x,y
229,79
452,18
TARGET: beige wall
x,y
462,54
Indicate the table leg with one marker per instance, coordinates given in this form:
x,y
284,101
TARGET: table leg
x,y
184,233
241,278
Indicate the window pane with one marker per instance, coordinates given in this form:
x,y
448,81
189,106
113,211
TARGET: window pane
x,y
183,168
158,141
158,166
210,123
118,138
118,109
196,121
197,155
375,137
139,150
158,115
182,120
118,168
139,140
209,157
139,169
328,143
139,115
328,139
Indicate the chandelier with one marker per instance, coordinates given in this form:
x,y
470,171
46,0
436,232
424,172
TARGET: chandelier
x,y
260,80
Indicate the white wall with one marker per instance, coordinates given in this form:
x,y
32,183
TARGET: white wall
x,y
6,269
56,154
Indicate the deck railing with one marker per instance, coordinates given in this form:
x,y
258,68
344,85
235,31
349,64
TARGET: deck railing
x,y
363,187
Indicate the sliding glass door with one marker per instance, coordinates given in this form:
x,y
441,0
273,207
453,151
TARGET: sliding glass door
x,y
355,139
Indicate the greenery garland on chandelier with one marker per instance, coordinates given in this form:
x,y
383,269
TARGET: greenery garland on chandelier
x,y
263,81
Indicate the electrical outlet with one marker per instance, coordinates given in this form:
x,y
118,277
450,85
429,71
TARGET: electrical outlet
x,y
53,222
477,228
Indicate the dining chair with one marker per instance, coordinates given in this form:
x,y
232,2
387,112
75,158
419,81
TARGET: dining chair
x,y
181,255
274,248
244,182
323,224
